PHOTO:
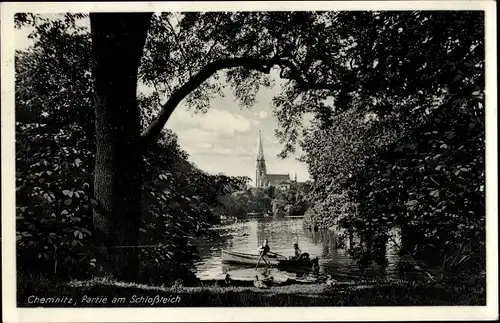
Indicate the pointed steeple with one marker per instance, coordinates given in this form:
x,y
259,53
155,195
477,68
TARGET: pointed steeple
x,y
295,177
260,151
261,173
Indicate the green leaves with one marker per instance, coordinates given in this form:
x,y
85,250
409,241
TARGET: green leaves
x,y
53,83
78,234
411,203
418,164
180,202
434,193
50,210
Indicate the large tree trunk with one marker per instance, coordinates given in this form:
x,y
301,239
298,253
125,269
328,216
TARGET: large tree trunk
x,y
117,46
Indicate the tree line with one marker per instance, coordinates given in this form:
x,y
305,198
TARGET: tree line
x,y
269,201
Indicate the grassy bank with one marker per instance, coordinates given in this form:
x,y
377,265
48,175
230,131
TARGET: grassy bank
x,y
92,293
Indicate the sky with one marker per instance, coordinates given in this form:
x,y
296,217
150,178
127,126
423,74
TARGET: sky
x,y
224,139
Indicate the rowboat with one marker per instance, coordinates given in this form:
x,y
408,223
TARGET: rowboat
x,y
233,257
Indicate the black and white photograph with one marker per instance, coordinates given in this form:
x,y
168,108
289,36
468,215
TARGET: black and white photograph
x,y
249,155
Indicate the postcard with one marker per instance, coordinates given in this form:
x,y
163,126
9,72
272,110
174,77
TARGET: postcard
x,y
249,161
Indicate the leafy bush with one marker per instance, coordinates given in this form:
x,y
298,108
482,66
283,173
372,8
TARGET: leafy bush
x,y
54,150
431,183
410,154
53,198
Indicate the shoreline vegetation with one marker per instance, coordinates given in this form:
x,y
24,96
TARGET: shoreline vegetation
x,y
100,292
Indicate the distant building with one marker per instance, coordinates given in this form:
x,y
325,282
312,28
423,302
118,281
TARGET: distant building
x,y
263,179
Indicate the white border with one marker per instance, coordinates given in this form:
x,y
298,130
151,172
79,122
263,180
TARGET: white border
x,y
13,314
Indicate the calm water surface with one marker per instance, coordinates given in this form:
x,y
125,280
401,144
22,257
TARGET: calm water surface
x,y
247,235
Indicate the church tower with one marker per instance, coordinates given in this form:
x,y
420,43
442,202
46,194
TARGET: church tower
x,y
261,173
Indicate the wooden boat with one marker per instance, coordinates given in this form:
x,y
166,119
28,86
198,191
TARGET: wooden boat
x,y
255,214
240,258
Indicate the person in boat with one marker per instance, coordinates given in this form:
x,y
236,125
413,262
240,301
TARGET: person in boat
x,y
264,249
297,251
299,255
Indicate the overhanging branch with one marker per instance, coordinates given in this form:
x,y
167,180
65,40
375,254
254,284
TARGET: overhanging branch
x,y
258,64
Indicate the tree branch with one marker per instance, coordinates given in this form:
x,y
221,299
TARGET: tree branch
x,y
181,48
211,36
209,52
158,101
258,64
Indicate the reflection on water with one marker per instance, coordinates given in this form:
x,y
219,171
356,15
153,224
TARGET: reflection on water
x,y
246,236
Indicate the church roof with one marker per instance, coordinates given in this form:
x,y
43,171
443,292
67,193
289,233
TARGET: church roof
x,y
278,177
260,151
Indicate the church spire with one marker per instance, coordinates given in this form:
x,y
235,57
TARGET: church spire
x,y
260,151
261,173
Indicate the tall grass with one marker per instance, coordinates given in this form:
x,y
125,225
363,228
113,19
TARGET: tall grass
x,y
344,294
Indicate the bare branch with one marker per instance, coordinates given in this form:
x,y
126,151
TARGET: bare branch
x,y
258,64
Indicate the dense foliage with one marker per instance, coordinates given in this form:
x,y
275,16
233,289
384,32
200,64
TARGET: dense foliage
x,y
180,204
53,197
431,184
55,149
409,152
252,200
269,200
293,201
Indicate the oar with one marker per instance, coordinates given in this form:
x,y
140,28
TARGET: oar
x,y
277,254
258,262
267,263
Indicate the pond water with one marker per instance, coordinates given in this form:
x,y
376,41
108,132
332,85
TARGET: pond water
x,y
246,235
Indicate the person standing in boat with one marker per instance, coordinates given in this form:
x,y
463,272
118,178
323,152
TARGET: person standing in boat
x,y
264,249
